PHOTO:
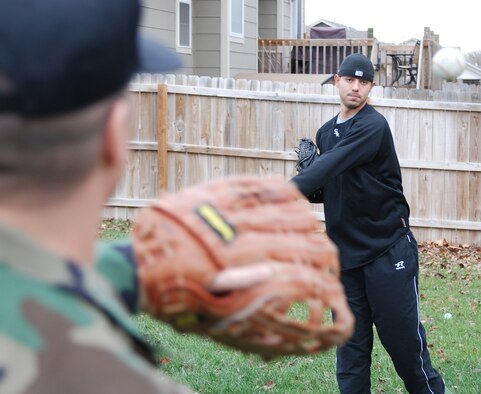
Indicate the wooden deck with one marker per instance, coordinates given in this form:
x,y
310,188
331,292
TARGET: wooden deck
x,y
323,56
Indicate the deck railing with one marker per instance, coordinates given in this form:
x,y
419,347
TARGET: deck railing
x,y
310,56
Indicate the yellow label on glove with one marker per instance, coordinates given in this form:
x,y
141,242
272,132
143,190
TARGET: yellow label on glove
x,y
186,320
215,220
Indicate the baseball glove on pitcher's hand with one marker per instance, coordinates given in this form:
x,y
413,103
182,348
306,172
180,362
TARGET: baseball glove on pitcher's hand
x,y
307,151
228,259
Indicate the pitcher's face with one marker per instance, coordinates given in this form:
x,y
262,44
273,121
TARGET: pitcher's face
x,y
353,92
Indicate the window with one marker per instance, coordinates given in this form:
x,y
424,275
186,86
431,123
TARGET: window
x,y
237,18
184,23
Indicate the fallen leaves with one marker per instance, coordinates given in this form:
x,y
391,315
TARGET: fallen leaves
x,y
115,225
442,259
441,353
165,361
269,385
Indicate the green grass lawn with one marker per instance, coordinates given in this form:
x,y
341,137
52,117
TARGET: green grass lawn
x,y
449,283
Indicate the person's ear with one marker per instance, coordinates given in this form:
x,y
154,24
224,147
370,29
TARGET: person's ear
x,y
114,149
336,79
115,134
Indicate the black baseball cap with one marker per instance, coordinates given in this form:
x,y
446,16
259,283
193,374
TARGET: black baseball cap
x,y
58,56
357,65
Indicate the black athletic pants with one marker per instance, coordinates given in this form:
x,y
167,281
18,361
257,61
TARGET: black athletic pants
x,y
385,293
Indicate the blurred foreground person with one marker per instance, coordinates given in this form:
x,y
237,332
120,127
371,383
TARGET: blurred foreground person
x,y
64,310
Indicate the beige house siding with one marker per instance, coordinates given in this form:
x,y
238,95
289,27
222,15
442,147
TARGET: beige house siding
x,y
272,26
213,51
286,31
267,18
158,20
243,53
206,37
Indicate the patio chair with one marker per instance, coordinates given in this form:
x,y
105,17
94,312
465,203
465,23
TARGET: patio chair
x,y
405,64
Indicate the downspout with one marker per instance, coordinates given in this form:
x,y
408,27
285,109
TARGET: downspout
x,y
301,24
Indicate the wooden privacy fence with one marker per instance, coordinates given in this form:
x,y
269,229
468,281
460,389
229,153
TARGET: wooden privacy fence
x,y
187,130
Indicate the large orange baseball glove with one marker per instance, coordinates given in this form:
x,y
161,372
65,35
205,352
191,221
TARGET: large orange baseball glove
x,y
229,260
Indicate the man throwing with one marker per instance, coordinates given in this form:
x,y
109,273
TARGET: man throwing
x,y
367,217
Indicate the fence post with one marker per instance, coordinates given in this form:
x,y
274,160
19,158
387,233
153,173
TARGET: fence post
x,y
162,124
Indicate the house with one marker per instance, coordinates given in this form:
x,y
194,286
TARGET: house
x,y
219,38
471,74
350,33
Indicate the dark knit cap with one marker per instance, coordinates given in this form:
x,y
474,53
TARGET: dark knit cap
x,y
357,65
58,56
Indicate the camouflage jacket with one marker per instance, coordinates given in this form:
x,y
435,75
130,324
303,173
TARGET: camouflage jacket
x,y
66,328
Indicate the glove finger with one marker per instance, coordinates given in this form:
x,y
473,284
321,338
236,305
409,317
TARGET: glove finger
x,y
310,249
293,216
271,303
238,278
242,193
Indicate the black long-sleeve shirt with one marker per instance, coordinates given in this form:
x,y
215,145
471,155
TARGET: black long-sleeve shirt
x,y
360,177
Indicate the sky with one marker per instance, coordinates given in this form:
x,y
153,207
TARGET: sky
x,y
396,21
